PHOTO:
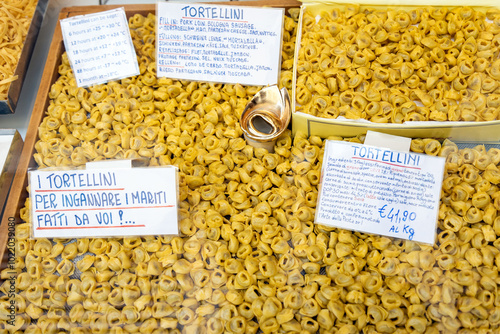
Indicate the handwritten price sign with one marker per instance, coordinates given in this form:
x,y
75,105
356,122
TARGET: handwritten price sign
x,y
377,190
397,216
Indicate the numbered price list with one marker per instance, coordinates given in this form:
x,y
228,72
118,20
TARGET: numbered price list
x,y
99,47
104,203
380,191
224,43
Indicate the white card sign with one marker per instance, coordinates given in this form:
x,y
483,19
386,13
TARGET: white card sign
x,y
377,190
380,139
99,47
104,202
231,44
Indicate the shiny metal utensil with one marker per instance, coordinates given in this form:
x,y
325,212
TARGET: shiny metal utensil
x,y
266,117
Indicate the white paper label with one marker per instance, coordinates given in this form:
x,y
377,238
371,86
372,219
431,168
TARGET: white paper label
x,y
377,190
104,203
379,139
99,47
231,44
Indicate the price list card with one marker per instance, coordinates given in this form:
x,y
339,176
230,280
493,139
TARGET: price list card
x,y
377,190
99,47
232,44
104,202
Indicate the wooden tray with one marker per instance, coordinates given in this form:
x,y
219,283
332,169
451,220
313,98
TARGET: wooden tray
x,y
18,192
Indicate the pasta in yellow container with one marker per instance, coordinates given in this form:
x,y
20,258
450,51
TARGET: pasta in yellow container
x,y
410,70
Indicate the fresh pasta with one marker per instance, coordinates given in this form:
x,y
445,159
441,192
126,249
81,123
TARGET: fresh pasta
x,y
395,65
249,258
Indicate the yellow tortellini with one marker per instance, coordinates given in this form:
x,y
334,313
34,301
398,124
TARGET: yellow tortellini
x,y
250,258
421,66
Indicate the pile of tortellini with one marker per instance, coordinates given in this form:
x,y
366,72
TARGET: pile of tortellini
x,y
249,258
393,66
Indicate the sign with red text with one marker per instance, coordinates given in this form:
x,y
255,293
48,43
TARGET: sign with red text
x,y
104,202
378,190
231,44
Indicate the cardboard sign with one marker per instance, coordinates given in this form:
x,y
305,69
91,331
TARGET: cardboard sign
x,y
231,44
99,47
378,190
104,202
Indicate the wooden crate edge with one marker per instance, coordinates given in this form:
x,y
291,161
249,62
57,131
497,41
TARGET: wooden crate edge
x,y
17,193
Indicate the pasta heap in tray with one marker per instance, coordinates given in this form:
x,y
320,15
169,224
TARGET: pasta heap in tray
x,y
392,66
15,19
250,259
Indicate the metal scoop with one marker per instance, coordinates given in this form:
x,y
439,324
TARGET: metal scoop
x,y
266,117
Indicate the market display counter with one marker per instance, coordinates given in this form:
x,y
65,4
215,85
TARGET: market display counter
x,y
249,257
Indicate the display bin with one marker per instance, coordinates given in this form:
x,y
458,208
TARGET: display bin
x,y
19,192
458,131
9,106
